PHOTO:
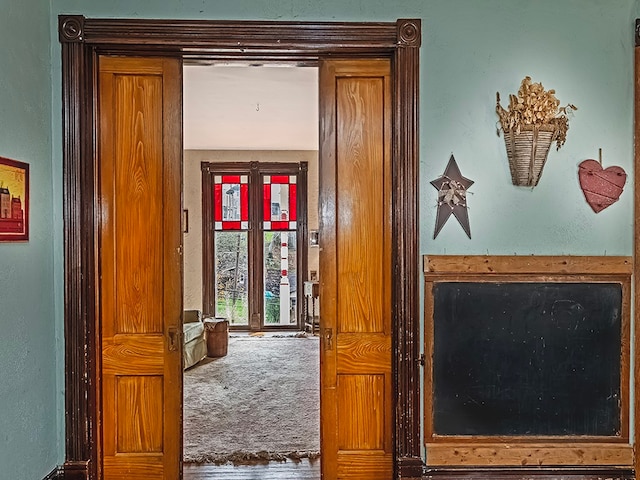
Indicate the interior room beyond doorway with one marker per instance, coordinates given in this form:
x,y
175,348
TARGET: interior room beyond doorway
x,y
243,115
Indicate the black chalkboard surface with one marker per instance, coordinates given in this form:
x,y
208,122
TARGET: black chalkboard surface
x,y
538,359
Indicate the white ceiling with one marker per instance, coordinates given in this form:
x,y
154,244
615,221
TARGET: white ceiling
x,y
232,107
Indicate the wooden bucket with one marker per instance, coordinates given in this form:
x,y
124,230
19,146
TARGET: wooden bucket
x,y
217,336
527,152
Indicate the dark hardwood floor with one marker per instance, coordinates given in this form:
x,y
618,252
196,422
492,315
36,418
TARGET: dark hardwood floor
x,y
289,470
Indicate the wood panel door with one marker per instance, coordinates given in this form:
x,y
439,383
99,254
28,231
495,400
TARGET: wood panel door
x,y
140,262
355,269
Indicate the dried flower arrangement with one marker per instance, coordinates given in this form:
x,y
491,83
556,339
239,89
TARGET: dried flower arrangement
x,y
532,121
535,106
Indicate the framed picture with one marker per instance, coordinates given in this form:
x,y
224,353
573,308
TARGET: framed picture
x,y
14,200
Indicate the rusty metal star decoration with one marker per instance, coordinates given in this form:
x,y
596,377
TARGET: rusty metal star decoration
x,y
452,197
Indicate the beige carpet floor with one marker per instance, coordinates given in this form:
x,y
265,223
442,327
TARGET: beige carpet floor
x,y
260,402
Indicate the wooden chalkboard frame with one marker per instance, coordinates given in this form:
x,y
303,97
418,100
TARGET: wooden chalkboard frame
x,y
457,450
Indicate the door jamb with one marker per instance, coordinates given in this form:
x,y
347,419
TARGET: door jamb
x,y
82,40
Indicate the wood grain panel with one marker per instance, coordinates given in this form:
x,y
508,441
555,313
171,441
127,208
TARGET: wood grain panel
x,y
529,455
361,424
365,465
520,264
142,468
133,354
363,353
122,65
355,269
138,406
527,473
360,214
172,263
140,264
137,189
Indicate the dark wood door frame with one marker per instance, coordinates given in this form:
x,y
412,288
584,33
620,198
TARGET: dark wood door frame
x,y
82,40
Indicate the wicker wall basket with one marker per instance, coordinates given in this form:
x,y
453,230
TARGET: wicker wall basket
x,y
527,152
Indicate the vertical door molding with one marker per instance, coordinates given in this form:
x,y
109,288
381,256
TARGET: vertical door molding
x,y
303,233
208,299
255,215
82,38
79,259
405,227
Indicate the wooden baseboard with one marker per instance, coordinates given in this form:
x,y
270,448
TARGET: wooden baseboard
x,y
410,468
75,471
54,474
580,455
542,473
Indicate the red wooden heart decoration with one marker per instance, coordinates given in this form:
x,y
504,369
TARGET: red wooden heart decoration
x,y
601,187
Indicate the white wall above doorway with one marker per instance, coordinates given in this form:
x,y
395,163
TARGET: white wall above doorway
x,y
232,106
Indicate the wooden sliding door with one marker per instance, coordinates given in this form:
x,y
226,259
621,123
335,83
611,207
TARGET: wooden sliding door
x,y
140,265
355,269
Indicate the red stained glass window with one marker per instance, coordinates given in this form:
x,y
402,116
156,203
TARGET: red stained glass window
x,y
279,202
231,202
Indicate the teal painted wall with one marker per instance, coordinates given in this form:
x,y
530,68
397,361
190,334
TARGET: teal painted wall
x,y
471,49
29,409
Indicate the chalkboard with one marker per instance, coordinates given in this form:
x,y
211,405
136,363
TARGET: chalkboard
x,y
526,359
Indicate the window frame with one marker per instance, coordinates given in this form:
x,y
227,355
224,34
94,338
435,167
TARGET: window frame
x,y
255,171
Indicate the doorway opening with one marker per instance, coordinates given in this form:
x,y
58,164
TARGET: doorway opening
x,y
84,42
250,199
